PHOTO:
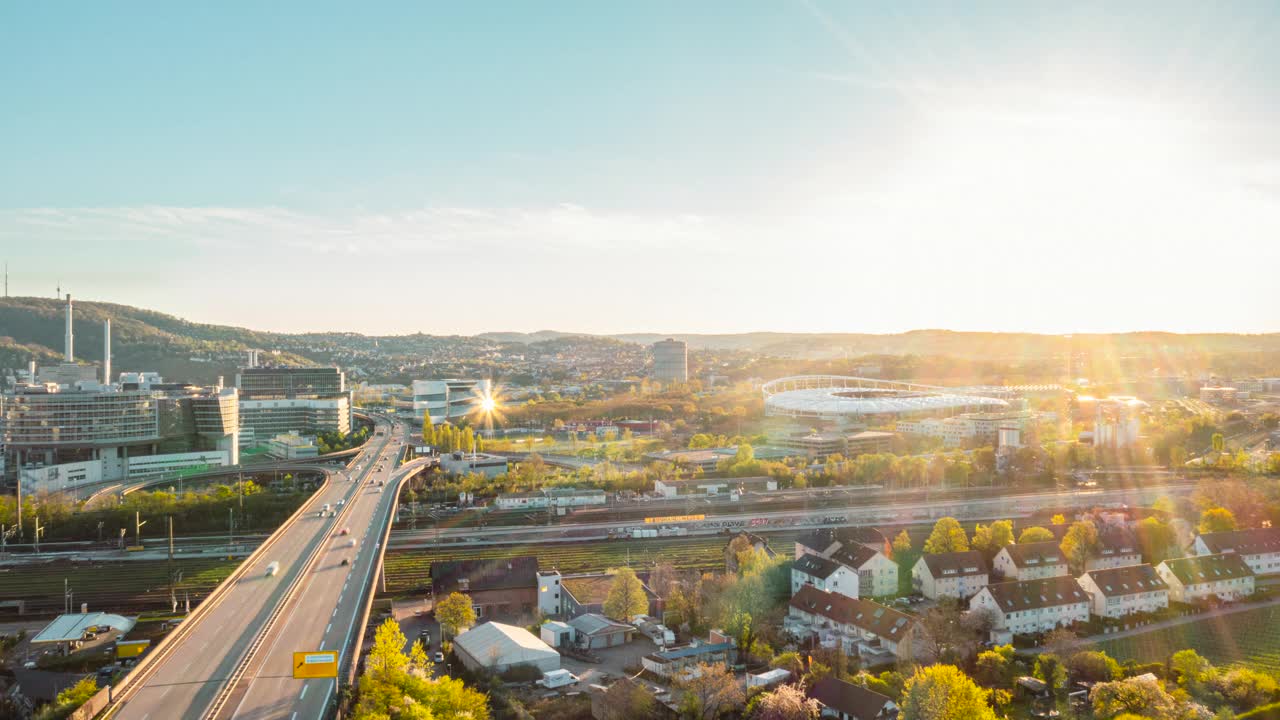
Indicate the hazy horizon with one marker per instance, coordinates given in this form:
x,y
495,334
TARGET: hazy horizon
x,y
803,166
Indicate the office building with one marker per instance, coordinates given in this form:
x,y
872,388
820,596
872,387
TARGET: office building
x,y
671,361
448,400
307,401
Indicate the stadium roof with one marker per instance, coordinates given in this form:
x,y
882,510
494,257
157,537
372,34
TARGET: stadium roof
x,y
840,396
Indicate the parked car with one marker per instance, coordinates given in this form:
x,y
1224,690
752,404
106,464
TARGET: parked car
x,y
438,657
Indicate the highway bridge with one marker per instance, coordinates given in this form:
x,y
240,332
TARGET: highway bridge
x,y
225,660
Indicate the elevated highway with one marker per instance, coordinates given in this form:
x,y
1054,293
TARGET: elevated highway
x,y
185,675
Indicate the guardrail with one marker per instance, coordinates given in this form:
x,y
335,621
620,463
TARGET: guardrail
x,y
233,680
134,679
347,666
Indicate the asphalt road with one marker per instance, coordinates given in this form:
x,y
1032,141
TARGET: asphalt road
x,y
187,681
325,613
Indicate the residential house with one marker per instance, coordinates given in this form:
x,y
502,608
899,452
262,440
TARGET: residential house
x,y
877,574
1031,561
873,631
825,541
582,594
1117,547
499,588
594,631
1259,547
824,574
756,542
958,575
1032,606
1225,576
844,700
1121,591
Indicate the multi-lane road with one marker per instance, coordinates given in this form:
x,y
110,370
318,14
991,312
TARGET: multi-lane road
x,y
325,613
192,675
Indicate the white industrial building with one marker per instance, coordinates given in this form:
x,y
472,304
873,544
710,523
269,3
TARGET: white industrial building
x,y
498,647
551,498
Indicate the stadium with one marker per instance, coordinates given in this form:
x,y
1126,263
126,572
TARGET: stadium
x,y
837,397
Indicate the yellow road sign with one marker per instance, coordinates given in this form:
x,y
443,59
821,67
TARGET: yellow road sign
x,y
674,519
317,664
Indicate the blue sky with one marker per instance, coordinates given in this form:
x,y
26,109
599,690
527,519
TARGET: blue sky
x,y
664,166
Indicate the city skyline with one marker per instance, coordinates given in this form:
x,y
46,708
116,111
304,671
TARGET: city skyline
x,y
790,167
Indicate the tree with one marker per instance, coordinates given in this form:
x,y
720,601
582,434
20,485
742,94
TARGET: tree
x,y
1080,543
1217,519
709,692
789,661
626,699
70,699
1093,666
1155,538
1059,640
943,692
1190,667
787,702
1035,534
993,667
428,430
902,543
991,538
1218,442
944,634
398,685
626,597
947,536
455,613
1058,519
386,657
1049,668
1138,696
1245,688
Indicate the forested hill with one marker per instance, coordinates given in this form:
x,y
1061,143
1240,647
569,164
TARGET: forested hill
x,y
32,328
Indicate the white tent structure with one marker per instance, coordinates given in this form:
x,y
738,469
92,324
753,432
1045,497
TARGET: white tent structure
x,y
498,647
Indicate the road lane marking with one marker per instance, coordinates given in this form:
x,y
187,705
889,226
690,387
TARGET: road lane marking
x,y
327,629
321,644
303,693
335,612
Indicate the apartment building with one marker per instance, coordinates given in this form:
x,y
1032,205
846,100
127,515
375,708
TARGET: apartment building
x,y
1207,577
1259,547
958,575
1121,591
1031,561
1033,606
1117,547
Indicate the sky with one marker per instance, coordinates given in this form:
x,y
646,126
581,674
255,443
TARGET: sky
x,y
792,165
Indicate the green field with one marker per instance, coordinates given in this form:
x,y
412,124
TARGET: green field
x,y
125,586
408,571
1249,638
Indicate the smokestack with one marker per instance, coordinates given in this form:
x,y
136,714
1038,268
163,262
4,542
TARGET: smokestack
x,y
106,351
70,340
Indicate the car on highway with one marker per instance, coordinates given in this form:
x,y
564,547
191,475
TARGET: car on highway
x,y
425,637
346,561
273,568
345,531
351,542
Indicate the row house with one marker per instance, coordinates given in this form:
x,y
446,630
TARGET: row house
x,y
1121,591
1032,606
825,541
1117,547
843,700
1259,547
859,627
958,575
1207,577
824,574
1031,561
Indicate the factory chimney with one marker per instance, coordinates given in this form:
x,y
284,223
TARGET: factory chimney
x,y
106,351
70,339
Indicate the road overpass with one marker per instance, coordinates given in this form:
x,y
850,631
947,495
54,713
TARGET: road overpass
x,y
188,672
